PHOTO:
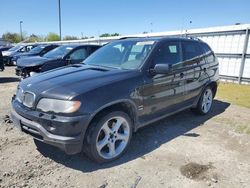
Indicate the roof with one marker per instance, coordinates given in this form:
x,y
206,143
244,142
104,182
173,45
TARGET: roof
x,y
163,38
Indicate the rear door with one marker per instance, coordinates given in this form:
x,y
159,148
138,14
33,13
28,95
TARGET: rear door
x,y
195,65
164,93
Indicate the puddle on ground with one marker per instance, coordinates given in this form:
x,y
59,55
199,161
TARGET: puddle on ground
x,y
195,170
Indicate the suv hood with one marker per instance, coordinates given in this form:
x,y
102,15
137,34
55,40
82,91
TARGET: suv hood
x,y
72,81
32,61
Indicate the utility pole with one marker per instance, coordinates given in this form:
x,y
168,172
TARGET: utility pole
x,y
60,28
21,30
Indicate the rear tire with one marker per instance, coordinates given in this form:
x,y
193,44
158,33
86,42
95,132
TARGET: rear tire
x,y
205,102
108,137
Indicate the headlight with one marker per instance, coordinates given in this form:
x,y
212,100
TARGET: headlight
x,y
19,95
58,106
26,98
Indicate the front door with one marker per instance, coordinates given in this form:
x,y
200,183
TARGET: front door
x,y
163,93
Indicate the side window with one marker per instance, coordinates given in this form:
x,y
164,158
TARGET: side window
x,y
79,54
28,48
23,49
192,53
191,50
168,53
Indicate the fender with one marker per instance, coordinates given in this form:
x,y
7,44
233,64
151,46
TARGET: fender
x,y
114,103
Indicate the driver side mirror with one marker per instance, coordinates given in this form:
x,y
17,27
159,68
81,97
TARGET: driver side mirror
x,y
161,69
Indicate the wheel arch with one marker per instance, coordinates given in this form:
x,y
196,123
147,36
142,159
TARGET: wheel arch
x,y
213,85
127,106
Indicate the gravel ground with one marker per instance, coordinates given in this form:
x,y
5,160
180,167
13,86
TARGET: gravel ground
x,y
184,150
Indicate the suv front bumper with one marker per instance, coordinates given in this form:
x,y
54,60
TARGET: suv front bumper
x,y
70,144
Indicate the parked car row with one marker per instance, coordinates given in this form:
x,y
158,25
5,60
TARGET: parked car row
x,y
1,62
32,59
95,106
18,49
58,57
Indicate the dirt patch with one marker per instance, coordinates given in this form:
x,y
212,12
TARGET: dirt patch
x,y
195,171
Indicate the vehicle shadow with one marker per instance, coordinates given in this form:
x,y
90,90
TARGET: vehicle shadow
x,y
144,141
8,80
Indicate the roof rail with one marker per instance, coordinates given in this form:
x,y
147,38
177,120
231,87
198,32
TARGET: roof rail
x,y
128,38
193,38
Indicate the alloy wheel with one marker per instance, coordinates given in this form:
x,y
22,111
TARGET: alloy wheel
x,y
113,137
207,100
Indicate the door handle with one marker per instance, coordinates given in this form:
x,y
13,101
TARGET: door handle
x,y
182,75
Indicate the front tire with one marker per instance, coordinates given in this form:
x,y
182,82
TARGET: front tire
x,y
205,102
108,137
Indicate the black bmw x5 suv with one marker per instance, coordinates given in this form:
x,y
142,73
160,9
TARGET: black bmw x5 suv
x,y
96,106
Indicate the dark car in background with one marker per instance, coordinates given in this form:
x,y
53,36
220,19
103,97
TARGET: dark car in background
x,y
18,49
96,106
1,62
39,50
58,57
5,48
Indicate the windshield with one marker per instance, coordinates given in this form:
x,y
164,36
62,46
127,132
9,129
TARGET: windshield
x,y
15,48
58,52
37,49
128,54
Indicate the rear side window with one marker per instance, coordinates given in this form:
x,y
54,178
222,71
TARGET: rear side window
x,y
209,55
205,47
191,50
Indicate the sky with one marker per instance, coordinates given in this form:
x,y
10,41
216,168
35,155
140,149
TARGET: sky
x,y
94,17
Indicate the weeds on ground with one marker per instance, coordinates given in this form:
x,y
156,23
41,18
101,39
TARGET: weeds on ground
x,y
234,93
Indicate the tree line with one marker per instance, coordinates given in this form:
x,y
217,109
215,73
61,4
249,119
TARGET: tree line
x,y
16,37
